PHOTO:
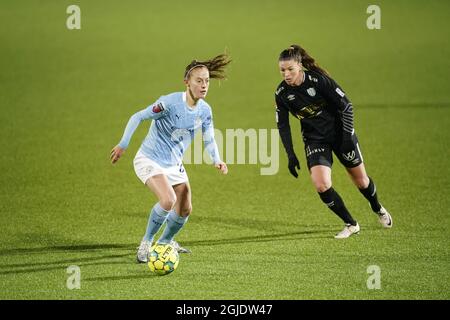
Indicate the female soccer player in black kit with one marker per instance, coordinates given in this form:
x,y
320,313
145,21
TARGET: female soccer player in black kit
x,y
326,117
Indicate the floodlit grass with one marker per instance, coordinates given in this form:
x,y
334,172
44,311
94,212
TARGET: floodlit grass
x,y
67,95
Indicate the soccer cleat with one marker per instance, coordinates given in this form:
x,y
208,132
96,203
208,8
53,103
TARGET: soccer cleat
x,y
179,248
143,251
348,231
385,218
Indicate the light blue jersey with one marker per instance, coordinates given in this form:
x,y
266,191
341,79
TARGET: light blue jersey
x,y
173,128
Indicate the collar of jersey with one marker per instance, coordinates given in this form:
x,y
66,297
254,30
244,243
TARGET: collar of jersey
x,y
186,104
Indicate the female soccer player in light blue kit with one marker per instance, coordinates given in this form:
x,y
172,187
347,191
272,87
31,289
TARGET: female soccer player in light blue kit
x,y
158,163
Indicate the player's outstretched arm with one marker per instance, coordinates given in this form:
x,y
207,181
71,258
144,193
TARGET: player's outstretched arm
x,y
154,111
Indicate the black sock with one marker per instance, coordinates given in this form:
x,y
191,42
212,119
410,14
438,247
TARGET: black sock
x,y
370,193
332,199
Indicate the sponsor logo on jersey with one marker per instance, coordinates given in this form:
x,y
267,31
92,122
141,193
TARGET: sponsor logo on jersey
x,y
311,91
309,111
291,97
340,92
157,108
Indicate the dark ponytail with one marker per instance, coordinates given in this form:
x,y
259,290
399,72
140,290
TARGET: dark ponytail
x,y
216,66
298,54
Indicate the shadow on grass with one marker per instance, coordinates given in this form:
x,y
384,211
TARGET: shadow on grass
x,y
65,248
24,269
72,261
144,275
310,234
133,246
127,258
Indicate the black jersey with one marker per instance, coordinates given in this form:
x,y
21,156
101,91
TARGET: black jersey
x,y
325,113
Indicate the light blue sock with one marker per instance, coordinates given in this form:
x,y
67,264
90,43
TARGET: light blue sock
x,y
157,217
174,223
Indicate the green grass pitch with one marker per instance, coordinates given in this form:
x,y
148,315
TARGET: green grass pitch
x,y
66,95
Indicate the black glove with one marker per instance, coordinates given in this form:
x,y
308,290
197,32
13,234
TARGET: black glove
x,y
293,163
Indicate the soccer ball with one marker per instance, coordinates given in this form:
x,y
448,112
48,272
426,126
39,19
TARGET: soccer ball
x,y
163,259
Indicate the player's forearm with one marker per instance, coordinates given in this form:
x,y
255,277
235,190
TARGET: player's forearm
x,y
213,151
211,145
131,127
286,139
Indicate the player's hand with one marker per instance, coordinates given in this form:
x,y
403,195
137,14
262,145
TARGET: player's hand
x,y
116,153
222,166
293,164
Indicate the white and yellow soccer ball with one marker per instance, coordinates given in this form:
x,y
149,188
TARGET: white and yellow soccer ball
x,y
163,259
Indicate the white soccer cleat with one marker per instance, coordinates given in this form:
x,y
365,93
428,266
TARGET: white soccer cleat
x,y
179,248
143,251
348,231
385,218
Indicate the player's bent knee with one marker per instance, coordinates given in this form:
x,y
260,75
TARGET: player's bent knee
x,y
186,211
362,183
322,186
168,202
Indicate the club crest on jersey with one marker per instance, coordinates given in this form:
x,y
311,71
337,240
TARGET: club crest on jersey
x,y
157,108
311,91
349,156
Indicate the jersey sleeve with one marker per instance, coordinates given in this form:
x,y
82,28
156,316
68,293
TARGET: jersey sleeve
x,y
284,128
208,137
155,111
334,94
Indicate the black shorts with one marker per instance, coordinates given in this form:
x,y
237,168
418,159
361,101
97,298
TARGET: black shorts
x,y
318,153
